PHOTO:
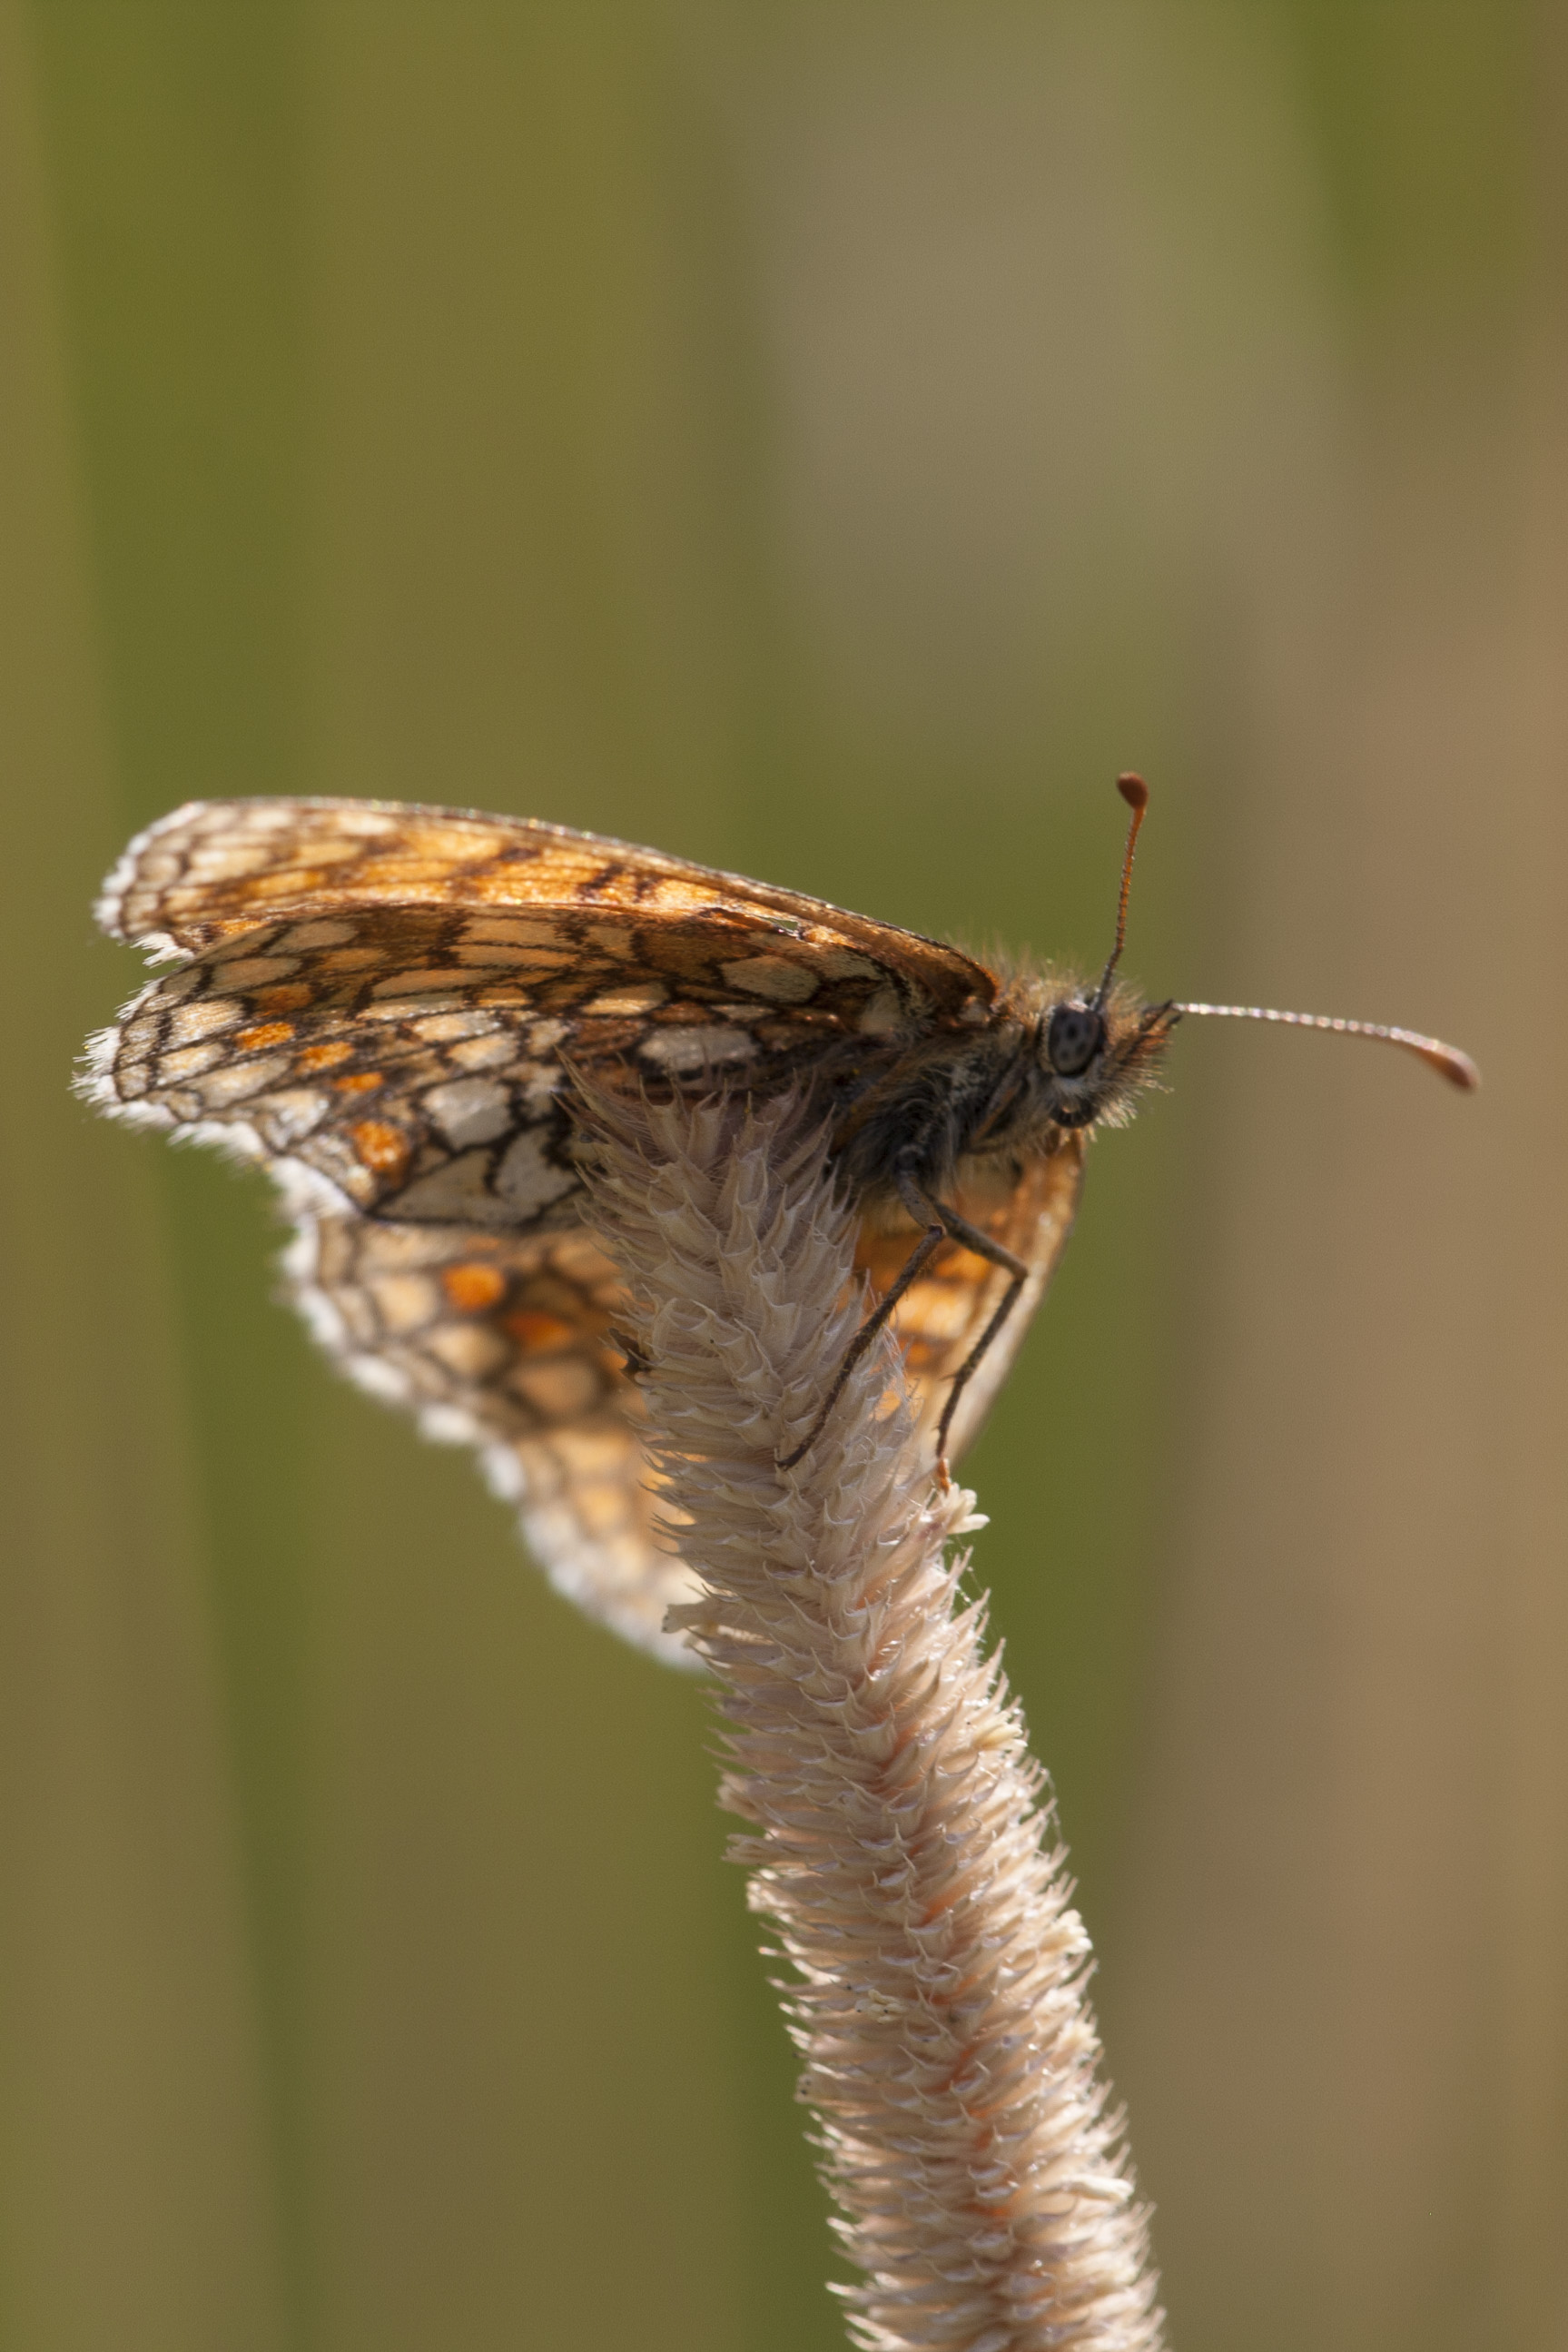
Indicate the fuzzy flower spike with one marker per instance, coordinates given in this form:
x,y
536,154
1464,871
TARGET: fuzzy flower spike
x,y
900,1844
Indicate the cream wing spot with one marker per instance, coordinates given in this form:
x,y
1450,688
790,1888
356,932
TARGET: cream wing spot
x,y
446,1028
359,822
540,1082
254,972
189,1061
448,1425
503,1472
623,1002
226,861
526,1180
469,1111
326,853
482,1052
468,1350
561,1390
288,1118
374,1374
397,1008
206,1018
327,934
239,1082
405,1301
694,1048
186,1109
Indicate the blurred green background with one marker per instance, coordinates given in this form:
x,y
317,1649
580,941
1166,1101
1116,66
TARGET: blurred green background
x,y
828,441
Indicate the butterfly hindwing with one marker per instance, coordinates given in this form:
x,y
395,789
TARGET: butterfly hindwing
x,y
505,1342
940,1318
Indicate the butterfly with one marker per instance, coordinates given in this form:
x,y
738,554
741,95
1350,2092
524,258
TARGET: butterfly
x,y
401,1012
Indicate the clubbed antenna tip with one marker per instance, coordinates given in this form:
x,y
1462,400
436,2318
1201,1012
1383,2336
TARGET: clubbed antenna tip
x,y
1135,793
1448,1060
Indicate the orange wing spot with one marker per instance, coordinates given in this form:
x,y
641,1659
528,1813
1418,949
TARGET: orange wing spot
x,y
534,1333
265,1033
881,1257
358,1082
956,1265
289,996
382,1147
471,1287
325,1057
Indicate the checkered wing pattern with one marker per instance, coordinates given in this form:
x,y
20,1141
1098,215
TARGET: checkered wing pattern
x,y
218,866
387,1006
505,1342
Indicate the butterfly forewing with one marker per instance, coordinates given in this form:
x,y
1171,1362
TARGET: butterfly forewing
x,y
390,1006
217,863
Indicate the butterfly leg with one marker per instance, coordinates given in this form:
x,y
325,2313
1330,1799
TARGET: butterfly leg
x,y
877,1320
960,1230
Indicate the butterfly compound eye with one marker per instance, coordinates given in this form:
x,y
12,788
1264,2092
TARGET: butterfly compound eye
x,y
1074,1037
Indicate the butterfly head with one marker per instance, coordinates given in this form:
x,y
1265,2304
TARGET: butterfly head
x,y
1091,1052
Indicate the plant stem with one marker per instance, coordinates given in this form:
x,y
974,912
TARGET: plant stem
x,y
899,1840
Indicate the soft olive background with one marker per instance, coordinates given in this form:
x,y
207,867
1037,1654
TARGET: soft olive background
x,y
830,441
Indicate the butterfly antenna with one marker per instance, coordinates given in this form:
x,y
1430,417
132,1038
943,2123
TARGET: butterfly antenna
x,y
1135,793
1448,1060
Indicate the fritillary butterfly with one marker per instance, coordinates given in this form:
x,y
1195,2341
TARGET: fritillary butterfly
x,y
394,1009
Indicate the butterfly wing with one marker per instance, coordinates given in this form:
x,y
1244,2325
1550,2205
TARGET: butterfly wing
x,y
214,868
504,1341
1030,1210
379,1004
415,1058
